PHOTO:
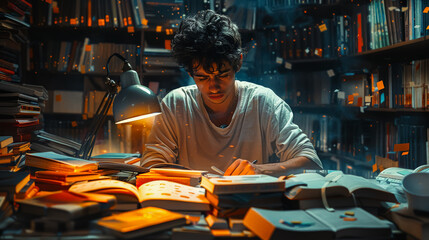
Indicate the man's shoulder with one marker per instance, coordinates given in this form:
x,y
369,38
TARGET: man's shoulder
x,y
254,90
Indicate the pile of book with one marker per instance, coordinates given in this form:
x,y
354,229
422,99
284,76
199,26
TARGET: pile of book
x,y
43,141
232,196
12,154
14,17
20,109
13,186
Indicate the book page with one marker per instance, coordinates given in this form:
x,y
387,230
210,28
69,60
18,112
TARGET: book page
x,y
105,184
167,190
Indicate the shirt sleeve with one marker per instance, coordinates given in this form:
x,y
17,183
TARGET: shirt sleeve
x,y
161,144
289,140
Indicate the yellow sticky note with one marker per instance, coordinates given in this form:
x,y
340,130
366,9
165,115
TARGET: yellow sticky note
x,y
401,147
404,153
144,21
374,167
426,10
158,28
380,85
323,27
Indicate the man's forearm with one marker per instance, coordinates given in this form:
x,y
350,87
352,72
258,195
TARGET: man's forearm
x,y
291,166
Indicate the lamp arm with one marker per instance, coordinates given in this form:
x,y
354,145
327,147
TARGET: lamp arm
x,y
88,143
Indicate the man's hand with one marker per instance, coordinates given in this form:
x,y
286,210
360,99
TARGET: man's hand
x,y
241,167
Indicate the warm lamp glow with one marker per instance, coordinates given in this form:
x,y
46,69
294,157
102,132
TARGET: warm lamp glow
x,y
138,118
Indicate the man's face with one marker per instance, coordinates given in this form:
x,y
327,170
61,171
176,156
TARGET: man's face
x,y
216,87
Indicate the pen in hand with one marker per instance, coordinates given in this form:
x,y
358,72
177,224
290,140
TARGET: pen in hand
x,y
222,172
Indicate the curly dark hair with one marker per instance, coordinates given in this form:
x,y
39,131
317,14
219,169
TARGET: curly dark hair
x,y
207,38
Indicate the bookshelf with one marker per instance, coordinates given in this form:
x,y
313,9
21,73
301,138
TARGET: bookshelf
x,y
330,56
70,43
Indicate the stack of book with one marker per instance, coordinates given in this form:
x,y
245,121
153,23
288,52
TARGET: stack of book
x,y
20,109
12,184
12,153
43,141
63,211
232,196
14,17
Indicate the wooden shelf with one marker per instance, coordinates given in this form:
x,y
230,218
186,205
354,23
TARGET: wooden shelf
x,y
400,52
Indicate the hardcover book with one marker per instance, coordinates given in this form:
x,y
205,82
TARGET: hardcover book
x,y
242,184
141,222
66,205
67,176
316,223
58,162
13,182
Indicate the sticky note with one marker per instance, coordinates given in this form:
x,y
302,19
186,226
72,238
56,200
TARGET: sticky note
x,y
368,158
349,213
74,124
350,99
158,28
130,29
374,167
279,60
323,27
367,100
382,98
400,147
341,95
426,10
288,65
380,85
58,98
144,21
330,73
404,153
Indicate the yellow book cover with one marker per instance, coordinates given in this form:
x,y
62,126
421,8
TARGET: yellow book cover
x,y
141,222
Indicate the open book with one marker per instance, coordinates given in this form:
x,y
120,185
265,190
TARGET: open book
x,y
336,184
58,162
316,223
163,194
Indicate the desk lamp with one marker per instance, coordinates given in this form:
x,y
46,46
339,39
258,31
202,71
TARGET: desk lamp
x,y
133,102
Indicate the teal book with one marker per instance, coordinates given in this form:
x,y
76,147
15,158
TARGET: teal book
x,y
316,223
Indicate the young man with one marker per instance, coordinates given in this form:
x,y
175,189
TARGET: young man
x,y
221,121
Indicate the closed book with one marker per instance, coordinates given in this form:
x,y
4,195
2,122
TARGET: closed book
x,y
149,176
5,140
270,200
141,222
242,184
66,205
54,161
316,223
67,176
164,194
13,182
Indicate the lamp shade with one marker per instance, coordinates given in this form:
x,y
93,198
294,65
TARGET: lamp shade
x,y
134,101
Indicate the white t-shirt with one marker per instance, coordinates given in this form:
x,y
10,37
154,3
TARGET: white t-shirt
x,y
261,129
